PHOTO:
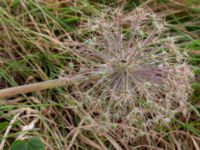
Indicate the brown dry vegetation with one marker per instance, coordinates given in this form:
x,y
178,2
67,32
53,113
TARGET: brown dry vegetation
x,y
126,74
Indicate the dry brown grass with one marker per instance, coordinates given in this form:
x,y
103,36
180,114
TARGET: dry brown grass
x,y
139,93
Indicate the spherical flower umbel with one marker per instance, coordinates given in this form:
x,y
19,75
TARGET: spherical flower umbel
x,y
146,78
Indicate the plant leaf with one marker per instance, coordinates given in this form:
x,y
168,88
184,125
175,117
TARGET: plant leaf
x,y
3,125
28,144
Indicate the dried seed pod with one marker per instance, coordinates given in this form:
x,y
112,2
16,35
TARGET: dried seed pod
x,y
146,78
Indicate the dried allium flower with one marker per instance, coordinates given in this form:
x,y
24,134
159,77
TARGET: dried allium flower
x,y
146,78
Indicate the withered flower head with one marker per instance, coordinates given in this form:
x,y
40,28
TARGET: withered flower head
x,y
146,77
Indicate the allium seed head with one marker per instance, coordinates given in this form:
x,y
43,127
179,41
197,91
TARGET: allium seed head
x,y
146,78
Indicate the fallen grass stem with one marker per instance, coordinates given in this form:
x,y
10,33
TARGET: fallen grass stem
x,y
50,84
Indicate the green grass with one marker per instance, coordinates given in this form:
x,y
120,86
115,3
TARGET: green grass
x,y
35,46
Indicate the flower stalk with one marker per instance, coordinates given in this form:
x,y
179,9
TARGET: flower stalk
x,y
44,85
